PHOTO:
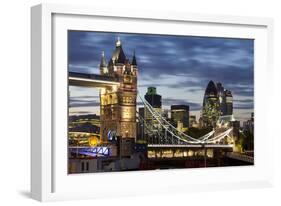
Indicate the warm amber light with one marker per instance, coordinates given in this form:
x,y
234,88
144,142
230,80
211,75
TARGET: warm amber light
x,y
93,141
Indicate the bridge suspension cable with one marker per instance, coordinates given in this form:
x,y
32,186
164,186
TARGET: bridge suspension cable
x,y
219,137
167,125
180,136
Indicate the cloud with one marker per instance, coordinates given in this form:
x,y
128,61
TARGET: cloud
x,y
173,63
244,100
84,101
219,59
243,107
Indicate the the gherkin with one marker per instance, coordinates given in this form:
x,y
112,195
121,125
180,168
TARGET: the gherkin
x,y
211,106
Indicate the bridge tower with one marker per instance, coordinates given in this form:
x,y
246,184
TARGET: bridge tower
x,y
118,103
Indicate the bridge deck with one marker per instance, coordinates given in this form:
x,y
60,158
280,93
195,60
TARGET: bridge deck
x,y
91,80
189,146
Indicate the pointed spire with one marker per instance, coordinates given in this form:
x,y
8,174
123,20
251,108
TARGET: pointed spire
x,y
118,43
121,56
134,61
118,55
103,60
110,63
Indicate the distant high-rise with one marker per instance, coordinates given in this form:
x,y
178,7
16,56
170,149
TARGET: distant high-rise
x,y
211,106
192,121
236,128
221,97
249,124
154,100
228,103
165,114
141,112
217,102
225,100
180,116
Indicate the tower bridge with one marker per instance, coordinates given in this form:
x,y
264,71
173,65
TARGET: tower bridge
x,y
117,83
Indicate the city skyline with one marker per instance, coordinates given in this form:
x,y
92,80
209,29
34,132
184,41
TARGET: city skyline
x,y
184,64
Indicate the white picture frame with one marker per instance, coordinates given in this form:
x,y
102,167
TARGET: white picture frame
x,y
49,179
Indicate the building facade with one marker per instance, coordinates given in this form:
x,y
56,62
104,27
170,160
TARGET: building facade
x,y
249,124
118,103
225,100
180,117
192,121
227,104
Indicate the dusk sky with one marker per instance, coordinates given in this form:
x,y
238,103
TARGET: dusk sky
x,y
180,67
